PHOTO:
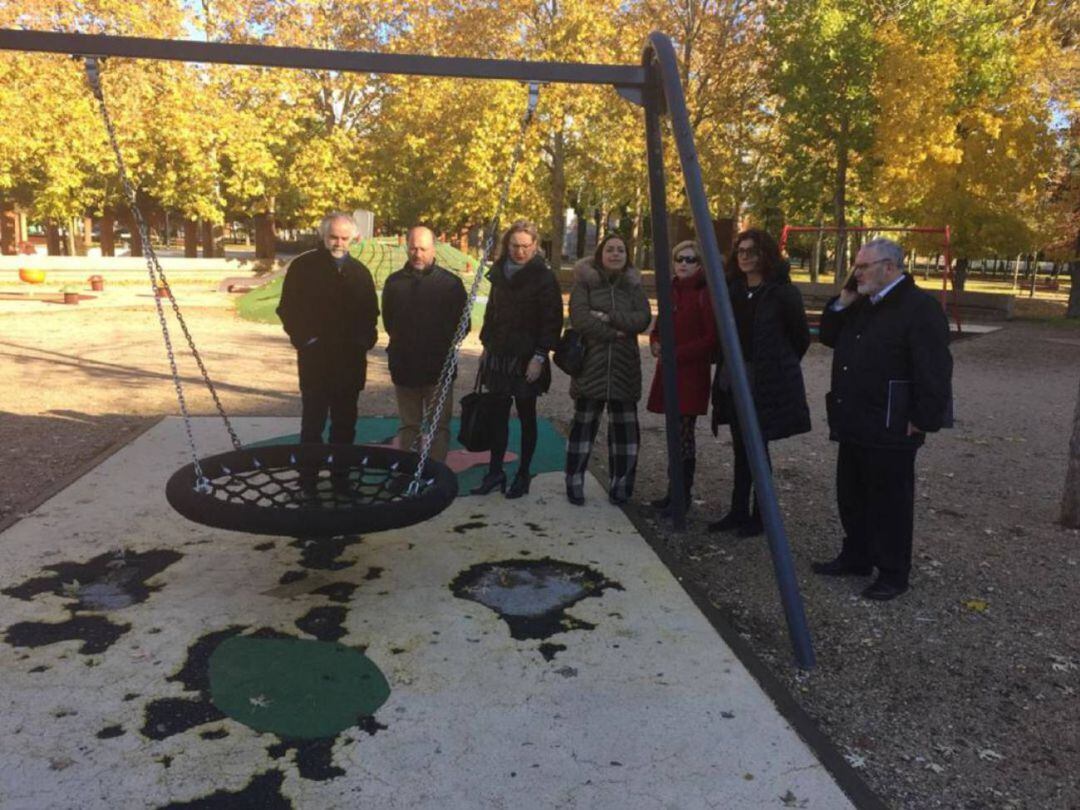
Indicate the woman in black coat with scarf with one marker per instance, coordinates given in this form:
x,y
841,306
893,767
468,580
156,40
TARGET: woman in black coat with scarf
x,y
773,336
522,324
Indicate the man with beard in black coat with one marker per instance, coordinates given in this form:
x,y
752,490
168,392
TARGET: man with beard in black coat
x,y
891,384
330,311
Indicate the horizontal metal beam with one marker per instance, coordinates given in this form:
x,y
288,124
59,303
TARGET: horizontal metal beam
x,y
182,50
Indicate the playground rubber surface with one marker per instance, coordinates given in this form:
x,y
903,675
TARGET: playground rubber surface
x,y
504,654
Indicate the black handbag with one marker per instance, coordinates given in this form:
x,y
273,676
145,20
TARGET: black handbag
x,y
570,353
480,412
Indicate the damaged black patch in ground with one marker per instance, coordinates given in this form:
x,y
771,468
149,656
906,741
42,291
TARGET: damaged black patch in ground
x,y
461,528
96,632
263,792
337,591
168,716
314,758
324,552
324,622
532,596
108,580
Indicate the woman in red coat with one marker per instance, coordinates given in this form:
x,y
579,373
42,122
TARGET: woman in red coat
x,y
695,347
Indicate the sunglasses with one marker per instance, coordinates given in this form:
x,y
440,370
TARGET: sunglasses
x,y
747,253
686,260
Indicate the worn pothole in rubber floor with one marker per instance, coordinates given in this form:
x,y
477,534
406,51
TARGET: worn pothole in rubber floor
x,y
532,596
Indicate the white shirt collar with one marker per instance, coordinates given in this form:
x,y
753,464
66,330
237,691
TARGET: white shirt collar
x,y
874,299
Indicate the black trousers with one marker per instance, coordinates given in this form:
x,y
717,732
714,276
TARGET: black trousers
x,y
875,493
744,477
330,383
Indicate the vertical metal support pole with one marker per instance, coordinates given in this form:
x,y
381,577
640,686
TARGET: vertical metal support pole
x,y
662,267
660,49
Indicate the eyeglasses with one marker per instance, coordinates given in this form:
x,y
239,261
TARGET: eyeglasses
x,y
686,260
858,268
747,253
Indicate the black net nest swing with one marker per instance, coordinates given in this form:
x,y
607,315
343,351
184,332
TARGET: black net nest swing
x,y
306,490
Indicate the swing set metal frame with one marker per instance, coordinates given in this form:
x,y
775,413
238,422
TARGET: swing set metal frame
x,y
653,85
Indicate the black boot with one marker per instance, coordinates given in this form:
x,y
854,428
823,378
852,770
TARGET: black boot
x,y
520,485
753,527
664,504
493,480
730,521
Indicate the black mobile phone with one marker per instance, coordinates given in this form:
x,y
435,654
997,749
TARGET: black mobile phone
x,y
852,283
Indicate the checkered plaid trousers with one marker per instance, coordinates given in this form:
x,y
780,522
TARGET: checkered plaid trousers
x,y
623,439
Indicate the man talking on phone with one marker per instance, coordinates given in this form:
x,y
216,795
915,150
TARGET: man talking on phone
x,y
891,385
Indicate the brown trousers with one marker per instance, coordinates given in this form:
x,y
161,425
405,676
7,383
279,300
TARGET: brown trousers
x,y
411,402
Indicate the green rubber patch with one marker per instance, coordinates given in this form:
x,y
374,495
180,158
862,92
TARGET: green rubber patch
x,y
293,687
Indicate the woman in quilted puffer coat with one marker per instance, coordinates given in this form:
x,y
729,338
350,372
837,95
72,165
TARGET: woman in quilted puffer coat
x,y
609,309
773,336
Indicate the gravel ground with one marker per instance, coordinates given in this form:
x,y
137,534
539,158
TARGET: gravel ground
x,y
961,694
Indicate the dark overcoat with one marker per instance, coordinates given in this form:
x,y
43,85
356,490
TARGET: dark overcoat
x,y
780,339
331,316
524,315
421,312
891,366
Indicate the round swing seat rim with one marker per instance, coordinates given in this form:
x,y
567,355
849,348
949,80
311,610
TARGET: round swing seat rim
x,y
200,499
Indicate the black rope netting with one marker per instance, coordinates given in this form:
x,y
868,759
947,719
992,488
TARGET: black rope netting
x,y
311,490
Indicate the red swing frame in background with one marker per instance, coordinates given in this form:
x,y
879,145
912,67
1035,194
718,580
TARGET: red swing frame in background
x,y
946,233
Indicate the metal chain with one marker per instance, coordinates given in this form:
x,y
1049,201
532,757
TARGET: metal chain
x,y
433,413
158,279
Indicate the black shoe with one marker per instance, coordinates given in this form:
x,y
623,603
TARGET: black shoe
x,y
752,528
661,503
576,500
519,486
730,521
668,510
883,590
491,481
841,567
617,500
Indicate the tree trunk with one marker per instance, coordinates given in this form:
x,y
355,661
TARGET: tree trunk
x,y
557,199
52,238
1070,501
959,273
815,256
582,231
265,238
1073,310
636,232
108,234
88,233
191,239
207,239
9,237
136,234
840,204
69,238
